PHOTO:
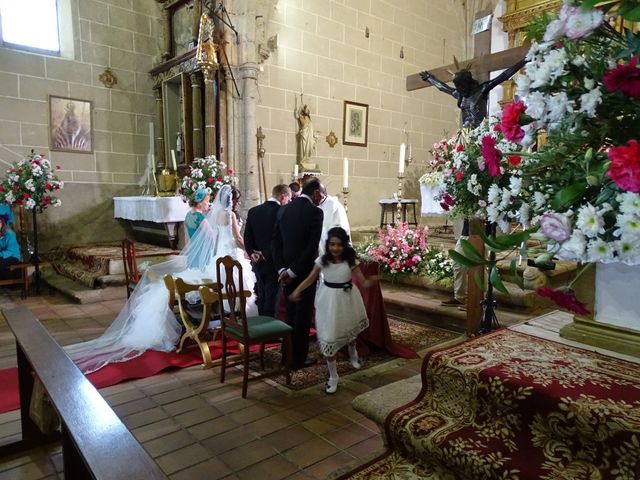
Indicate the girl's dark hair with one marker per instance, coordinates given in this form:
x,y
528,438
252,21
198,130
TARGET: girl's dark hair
x,y
5,227
348,253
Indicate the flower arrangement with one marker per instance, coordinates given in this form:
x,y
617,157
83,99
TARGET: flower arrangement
x,y
400,250
437,264
31,182
581,86
208,173
484,165
431,179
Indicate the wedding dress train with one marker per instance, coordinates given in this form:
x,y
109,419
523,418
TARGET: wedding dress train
x,y
146,322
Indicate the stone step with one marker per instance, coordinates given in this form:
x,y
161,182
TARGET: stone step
x,y
79,293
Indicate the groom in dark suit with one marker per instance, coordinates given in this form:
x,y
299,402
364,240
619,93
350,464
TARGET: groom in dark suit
x,y
258,234
295,248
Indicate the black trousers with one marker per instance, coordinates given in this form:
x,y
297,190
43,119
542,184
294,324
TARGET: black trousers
x,y
267,288
299,316
5,263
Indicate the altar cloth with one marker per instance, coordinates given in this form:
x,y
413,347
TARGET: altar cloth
x,y
150,209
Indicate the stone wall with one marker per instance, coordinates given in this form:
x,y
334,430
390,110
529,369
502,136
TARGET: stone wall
x,y
323,52
119,34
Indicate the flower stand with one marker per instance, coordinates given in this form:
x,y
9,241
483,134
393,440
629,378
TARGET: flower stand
x,y
611,292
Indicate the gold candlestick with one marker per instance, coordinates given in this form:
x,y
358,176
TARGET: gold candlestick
x,y
399,195
345,194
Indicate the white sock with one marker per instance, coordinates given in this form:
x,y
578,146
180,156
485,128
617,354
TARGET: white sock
x,y
333,368
353,356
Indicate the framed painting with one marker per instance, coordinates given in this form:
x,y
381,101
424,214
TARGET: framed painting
x,y
70,125
355,124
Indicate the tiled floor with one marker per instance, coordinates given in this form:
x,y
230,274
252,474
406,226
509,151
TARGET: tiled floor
x,y
195,427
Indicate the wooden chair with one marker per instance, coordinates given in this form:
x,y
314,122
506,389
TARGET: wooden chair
x,y
247,331
131,274
195,320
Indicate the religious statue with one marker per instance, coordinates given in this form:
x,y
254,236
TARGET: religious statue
x,y
471,95
305,136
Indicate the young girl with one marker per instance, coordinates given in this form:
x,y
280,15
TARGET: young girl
x,y
340,312
9,248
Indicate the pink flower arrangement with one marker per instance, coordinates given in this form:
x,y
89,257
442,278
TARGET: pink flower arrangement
x,y
625,166
401,249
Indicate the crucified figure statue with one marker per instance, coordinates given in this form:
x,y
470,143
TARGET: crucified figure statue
x,y
471,95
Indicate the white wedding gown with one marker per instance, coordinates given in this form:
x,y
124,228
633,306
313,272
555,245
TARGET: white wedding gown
x,y
146,322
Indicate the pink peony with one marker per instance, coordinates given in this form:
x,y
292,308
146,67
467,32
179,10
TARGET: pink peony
x,y
491,155
624,78
555,226
625,166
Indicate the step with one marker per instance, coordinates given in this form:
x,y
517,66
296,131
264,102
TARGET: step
x,y
79,293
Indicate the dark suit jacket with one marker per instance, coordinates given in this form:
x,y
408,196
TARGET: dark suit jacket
x,y
296,237
258,231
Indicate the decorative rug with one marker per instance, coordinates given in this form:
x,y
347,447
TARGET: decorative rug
x,y
508,405
416,337
86,264
146,365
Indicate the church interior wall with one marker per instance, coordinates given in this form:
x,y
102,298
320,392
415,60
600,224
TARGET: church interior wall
x,y
121,35
323,52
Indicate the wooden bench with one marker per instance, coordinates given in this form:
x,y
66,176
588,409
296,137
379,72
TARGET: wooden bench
x,y
24,279
95,443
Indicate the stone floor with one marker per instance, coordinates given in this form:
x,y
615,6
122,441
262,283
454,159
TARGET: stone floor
x,y
195,427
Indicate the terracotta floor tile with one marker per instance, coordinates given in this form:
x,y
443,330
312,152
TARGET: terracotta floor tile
x,y
273,468
172,395
145,417
168,443
211,469
185,405
212,427
310,452
135,406
345,437
369,446
326,422
182,458
124,397
247,455
199,415
229,440
250,414
290,437
270,424
155,430
330,464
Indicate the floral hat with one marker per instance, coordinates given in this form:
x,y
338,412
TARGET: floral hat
x,y
199,195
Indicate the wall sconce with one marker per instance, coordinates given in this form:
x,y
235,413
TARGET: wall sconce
x,y
206,54
401,52
366,32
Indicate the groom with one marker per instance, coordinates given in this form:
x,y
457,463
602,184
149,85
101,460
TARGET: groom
x,y
295,248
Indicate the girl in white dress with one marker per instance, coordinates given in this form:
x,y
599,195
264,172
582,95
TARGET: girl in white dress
x,y
145,322
340,312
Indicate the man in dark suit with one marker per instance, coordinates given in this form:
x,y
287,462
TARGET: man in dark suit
x,y
295,248
258,233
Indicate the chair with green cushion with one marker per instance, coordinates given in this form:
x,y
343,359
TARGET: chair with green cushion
x,y
247,331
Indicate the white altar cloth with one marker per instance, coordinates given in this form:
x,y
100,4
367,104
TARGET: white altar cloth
x,y
150,209
430,206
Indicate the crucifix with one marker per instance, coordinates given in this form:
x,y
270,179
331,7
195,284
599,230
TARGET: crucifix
x,y
472,87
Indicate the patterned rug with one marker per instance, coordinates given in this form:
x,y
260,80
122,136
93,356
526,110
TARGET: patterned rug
x,y
513,406
416,337
87,264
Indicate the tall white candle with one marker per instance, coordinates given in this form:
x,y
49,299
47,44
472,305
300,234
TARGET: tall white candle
x,y
410,157
152,140
152,159
345,173
403,149
295,171
173,160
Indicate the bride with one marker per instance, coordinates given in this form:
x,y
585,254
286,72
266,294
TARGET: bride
x,y
146,322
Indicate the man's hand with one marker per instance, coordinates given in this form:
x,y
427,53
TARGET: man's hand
x,y
256,256
284,278
294,297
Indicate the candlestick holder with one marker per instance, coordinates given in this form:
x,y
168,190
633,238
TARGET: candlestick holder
x,y
399,195
345,194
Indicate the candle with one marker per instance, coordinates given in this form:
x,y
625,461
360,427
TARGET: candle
x,y
345,173
173,160
403,149
295,171
152,159
152,143
410,157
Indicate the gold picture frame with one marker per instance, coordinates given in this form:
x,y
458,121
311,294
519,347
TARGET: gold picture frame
x,y
355,124
70,125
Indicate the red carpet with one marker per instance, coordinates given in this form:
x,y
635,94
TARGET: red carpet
x,y
146,365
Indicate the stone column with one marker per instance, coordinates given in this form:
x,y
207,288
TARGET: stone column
x,y
196,114
231,120
159,127
209,112
249,74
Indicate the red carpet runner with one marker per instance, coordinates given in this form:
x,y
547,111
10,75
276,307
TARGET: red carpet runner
x,y
148,364
512,406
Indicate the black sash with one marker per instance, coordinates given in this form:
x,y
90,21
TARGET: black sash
x,y
346,286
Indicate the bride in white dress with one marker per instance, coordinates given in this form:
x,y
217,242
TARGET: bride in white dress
x,y
145,322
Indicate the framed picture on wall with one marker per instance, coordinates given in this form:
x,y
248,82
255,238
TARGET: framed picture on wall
x,y
70,125
355,124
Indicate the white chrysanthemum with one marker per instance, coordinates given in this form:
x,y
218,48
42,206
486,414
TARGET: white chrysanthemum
x,y
492,213
589,83
555,30
523,85
559,107
590,101
629,203
537,105
579,61
539,201
524,215
506,199
574,248
9,197
590,221
30,204
628,226
600,251
515,184
628,250
493,193
57,202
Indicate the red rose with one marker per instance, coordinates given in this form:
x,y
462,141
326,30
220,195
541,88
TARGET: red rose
x,y
459,148
625,166
511,117
514,160
47,186
25,195
491,155
1,188
56,187
219,179
459,174
15,187
46,200
210,180
566,299
624,78
19,202
57,167
230,171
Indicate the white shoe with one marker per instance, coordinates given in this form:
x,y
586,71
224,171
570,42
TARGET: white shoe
x,y
331,386
355,363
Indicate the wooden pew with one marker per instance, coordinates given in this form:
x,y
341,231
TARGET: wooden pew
x,y
95,443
